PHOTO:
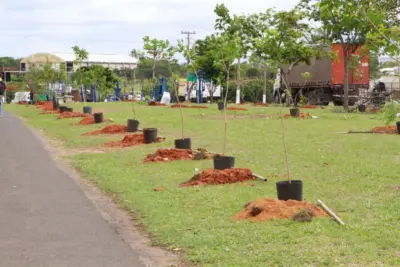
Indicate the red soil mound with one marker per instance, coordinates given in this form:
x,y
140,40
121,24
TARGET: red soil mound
x,y
89,120
109,129
302,115
23,102
198,106
163,155
309,106
50,112
234,108
68,115
267,209
228,176
385,130
186,106
130,140
179,106
47,106
153,103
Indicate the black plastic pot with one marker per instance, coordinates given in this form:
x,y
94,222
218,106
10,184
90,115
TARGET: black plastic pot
x,y
150,135
398,127
63,109
293,190
98,117
221,106
183,143
295,112
133,126
87,110
223,162
69,109
362,108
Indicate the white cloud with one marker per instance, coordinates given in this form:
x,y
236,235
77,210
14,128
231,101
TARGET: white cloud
x,y
109,26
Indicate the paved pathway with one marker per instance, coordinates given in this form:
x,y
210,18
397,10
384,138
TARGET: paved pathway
x,y
45,218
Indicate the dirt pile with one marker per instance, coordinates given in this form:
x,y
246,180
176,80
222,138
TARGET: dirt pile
x,y
69,115
212,176
385,130
50,112
179,106
198,106
235,108
154,103
46,106
309,106
22,102
130,140
109,129
265,209
89,120
186,106
163,155
302,116
167,155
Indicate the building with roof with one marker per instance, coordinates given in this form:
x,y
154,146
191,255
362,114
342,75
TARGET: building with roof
x,y
106,60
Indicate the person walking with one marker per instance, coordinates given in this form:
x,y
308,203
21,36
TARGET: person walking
x,y
2,90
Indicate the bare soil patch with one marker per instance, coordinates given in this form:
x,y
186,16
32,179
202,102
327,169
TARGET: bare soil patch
x,y
265,209
215,177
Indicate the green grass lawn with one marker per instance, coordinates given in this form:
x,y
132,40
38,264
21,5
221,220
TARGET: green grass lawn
x,y
353,174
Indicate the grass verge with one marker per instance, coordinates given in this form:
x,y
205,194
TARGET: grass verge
x,y
353,174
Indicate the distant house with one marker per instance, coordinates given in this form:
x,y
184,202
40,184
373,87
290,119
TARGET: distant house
x,y
109,61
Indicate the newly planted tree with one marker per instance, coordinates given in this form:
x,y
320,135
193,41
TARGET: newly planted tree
x,y
226,49
283,42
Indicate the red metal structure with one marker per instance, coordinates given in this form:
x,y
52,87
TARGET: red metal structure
x,y
326,80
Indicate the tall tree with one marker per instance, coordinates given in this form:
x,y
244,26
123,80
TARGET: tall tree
x,y
156,50
236,27
343,22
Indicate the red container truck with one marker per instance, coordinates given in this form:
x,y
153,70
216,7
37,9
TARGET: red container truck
x,y
326,78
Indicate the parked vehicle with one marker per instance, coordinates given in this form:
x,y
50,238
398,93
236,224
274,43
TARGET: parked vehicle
x,y
326,80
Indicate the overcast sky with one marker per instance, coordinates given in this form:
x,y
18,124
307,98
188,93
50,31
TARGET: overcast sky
x,y
108,26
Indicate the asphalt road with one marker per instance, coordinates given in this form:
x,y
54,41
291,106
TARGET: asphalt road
x,y
45,218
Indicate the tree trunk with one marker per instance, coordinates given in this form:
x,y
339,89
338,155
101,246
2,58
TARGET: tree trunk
x,y
346,79
154,68
225,118
238,82
264,100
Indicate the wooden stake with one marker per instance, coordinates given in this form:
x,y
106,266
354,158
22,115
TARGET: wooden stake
x,y
330,212
260,177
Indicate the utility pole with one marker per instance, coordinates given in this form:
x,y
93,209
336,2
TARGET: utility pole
x,y
187,33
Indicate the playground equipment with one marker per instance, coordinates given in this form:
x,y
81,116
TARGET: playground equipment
x,y
201,89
